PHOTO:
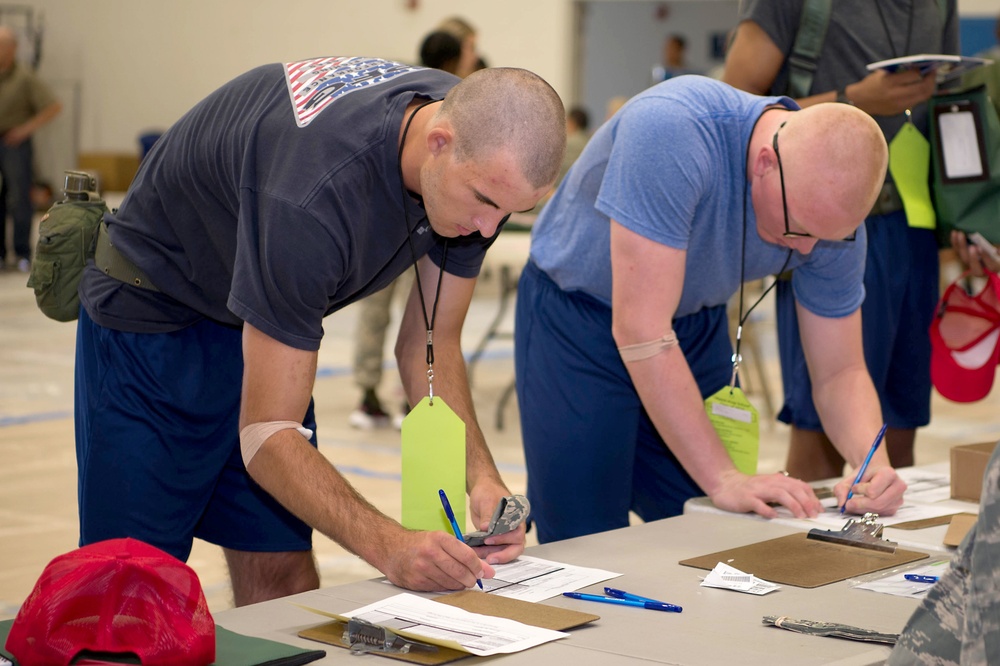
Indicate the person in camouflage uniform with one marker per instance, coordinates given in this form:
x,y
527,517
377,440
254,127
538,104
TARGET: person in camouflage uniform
x,y
959,620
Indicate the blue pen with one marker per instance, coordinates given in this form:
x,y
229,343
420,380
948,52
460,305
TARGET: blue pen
x,y
648,605
454,523
864,465
916,578
622,594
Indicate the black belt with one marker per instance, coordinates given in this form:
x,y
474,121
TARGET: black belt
x,y
116,265
888,201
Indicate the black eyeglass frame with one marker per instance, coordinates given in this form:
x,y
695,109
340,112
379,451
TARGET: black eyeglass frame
x,y
784,201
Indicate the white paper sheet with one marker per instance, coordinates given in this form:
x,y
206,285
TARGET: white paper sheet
x,y
440,624
730,578
534,579
898,586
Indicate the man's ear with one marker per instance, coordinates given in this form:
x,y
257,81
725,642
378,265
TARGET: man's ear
x,y
763,161
440,139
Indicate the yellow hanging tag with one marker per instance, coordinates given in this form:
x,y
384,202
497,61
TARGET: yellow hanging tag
x,y
735,421
909,164
433,447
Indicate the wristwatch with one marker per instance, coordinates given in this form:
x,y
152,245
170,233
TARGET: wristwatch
x,y
842,97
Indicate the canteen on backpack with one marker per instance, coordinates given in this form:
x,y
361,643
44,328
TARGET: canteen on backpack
x,y
66,239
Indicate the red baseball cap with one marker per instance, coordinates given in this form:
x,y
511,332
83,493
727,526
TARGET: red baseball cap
x,y
964,341
111,600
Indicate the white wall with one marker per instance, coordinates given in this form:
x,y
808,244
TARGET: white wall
x,y
143,63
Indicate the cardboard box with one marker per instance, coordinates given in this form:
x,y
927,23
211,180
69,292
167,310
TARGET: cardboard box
x,y
968,466
114,171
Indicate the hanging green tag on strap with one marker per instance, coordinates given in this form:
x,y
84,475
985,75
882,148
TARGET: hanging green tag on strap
x,y
735,421
909,164
433,444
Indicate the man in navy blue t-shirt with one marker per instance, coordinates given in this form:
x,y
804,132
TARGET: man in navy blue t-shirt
x,y
287,194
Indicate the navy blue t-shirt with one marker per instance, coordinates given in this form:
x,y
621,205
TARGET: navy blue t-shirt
x,y
276,201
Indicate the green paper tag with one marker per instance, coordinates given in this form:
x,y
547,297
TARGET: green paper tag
x,y
433,443
735,421
909,164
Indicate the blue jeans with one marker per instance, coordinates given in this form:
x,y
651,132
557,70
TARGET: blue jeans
x,y
15,197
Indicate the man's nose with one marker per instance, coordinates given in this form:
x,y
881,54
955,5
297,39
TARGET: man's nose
x,y
487,224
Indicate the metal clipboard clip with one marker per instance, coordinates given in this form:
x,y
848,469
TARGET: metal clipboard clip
x,y
363,637
862,532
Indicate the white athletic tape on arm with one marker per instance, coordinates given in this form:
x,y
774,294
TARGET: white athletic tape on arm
x,y
644,350
254,435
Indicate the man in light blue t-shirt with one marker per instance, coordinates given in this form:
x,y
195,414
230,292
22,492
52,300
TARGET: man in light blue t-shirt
x,y
621,325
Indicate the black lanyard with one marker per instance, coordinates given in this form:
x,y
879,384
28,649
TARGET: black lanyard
x,y
737,359
428,323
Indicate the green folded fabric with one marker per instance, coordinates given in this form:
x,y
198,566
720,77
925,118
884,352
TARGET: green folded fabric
x,y
231,649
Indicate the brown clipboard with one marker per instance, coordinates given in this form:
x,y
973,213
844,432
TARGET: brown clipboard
x,y
803,562
537,615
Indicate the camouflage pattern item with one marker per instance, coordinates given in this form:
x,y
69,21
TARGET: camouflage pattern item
x,y
509,514
959,620
831,629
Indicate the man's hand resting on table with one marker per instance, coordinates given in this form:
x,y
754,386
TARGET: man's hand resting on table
x,y
743,494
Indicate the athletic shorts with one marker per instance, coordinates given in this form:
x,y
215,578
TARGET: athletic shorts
x,y
157,442
901,292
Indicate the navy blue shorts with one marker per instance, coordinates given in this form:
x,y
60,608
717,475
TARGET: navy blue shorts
x,y
157,443
901,292
591,450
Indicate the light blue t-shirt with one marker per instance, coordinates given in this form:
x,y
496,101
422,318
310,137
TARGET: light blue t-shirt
x,y
671,166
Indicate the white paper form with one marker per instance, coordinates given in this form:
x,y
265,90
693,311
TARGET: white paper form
x,y
924,491
534,579
925,487
898,586
833,519
440,624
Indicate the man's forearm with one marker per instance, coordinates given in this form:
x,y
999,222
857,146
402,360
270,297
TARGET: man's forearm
x,y
849,409
304,482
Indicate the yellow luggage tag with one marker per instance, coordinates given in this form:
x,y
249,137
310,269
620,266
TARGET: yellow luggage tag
x,y
736,422
433,452
909,164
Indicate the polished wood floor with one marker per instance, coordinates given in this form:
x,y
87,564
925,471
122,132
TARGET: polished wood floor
x,y
38,518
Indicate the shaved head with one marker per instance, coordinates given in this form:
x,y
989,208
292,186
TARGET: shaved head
x,y
835,160
506,109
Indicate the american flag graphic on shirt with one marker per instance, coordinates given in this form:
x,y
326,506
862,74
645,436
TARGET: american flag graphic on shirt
x,y
313,84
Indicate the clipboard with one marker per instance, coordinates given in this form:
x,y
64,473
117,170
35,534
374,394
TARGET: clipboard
x,y
802,562
537,615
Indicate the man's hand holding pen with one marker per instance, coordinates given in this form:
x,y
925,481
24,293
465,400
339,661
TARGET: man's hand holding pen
x,y
879,491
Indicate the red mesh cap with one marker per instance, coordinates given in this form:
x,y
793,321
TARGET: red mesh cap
x,y
964,336
120,596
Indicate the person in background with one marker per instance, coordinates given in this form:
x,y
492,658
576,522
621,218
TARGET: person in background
x,y
26,104
621,329
674,59
901,268
438,50
577,135
470,60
